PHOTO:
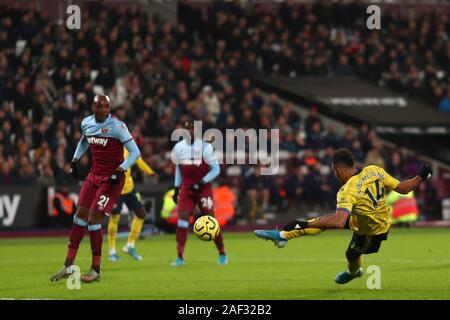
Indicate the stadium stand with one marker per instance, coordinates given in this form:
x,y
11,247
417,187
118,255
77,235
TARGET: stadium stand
x,y
208,67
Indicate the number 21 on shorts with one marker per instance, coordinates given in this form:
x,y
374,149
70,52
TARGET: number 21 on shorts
x,y
103,201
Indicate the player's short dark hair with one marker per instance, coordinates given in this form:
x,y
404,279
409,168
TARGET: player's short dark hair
x,y
343,157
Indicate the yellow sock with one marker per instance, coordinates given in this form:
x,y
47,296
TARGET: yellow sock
x,y
136,227
303,232
353,266
113,224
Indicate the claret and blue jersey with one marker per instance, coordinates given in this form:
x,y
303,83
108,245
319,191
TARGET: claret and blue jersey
x,y
106,140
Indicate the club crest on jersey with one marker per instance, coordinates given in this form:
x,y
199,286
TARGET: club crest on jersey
x,y
99,141
104,130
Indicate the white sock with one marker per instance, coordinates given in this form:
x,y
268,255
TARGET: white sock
x,y
112,251
130,245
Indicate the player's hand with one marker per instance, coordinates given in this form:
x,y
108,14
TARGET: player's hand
x,y
296,225
175,195
197,186
115,177
74,171
426,172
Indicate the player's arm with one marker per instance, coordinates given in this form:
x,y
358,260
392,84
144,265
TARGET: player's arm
x,y
214,171
121,132
212,174
336,220
407,186
81,149
346,199
133,154
178,177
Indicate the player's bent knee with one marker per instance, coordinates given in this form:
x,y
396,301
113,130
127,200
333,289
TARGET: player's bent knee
x,y
82,213
95,217
140,213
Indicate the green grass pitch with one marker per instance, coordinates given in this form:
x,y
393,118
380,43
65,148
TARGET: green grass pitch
x,y
414,263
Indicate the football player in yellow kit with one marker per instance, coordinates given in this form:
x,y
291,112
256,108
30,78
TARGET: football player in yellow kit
x,y
132,199
361,207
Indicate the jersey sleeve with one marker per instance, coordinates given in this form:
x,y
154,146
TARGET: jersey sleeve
x,y
175,154
346,198
208,154
121,132
389,181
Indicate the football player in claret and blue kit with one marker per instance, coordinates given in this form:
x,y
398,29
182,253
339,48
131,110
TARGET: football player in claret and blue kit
x,y
196,167
106,136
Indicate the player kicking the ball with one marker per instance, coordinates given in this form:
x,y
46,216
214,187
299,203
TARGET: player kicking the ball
x,y
105,136
361,207
196,167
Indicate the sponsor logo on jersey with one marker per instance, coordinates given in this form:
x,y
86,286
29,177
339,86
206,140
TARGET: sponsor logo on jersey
x,y
98,141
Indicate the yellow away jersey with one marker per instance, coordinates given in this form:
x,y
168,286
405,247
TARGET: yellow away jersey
x,y
129,183
364,195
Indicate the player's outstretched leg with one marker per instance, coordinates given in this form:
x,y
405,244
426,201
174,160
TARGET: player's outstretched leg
x,y
354,271
223,258
113,225
182,231
280,238
75,237
272,235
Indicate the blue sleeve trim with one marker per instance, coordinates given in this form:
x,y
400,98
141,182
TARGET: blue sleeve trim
x,y
134,154
213,173
177,176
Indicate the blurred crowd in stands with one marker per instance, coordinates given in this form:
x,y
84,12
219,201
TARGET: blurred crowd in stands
x,y
410,54
159,74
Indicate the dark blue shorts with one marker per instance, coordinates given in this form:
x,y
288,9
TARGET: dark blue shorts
x,y
132,200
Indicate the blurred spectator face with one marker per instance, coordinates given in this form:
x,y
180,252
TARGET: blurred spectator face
x,y
356,145
316,127
6,127
331,130
5,168
343,60
349,134
47,172
396,158
27,171
28,130
230,121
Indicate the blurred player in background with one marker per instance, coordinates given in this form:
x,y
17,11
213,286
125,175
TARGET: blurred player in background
x,y
196,167
361,207
105,136
132,199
